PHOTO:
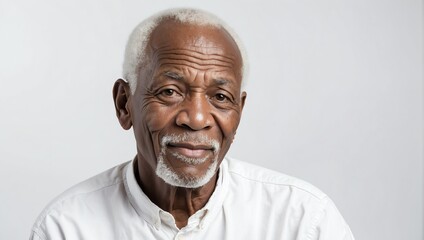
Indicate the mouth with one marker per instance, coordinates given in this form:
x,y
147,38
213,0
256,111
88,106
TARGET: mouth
x,y
191,150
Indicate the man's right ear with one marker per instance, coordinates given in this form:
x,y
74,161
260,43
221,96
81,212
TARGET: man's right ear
x,y
122,100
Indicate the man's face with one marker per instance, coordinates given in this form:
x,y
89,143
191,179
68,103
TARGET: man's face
x,y
187,105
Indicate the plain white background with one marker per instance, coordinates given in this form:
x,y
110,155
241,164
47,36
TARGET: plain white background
x,y
335,97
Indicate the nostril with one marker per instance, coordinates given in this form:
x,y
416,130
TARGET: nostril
x,y
193,127
186,126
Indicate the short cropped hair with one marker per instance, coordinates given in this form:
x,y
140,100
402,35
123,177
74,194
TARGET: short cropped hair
x,y
135,51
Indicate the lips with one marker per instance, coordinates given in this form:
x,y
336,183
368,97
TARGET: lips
x,y
191,150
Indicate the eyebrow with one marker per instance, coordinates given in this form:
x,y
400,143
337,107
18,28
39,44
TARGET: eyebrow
x,y
173,75
221,81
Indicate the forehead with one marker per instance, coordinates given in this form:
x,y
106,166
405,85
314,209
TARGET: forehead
x,y
209,42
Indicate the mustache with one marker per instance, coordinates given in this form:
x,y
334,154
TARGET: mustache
x,y
200,139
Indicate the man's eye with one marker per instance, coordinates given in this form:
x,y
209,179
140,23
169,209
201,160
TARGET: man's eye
x,y
221,97
169,95
168,92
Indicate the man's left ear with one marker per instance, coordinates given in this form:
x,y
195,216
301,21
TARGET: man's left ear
x,y
121,98
243,99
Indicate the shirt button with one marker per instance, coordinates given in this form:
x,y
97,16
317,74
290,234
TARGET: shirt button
x,y
157,224
180,238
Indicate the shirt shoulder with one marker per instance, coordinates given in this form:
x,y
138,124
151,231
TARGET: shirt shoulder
x,y
75,196
299,209
243,171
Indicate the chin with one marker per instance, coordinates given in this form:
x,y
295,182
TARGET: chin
x,y
188,161
171,177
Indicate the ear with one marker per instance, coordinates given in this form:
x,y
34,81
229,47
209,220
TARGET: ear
x,y
122,100
243,99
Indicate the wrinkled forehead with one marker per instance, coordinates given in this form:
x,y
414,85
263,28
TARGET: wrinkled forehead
x,y
204,39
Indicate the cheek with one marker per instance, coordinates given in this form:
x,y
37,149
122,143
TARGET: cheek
x,y
228,124
147,125
158,118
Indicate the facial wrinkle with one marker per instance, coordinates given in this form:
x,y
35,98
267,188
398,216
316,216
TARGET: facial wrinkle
x,y
191,56
199,57
191,63
199,54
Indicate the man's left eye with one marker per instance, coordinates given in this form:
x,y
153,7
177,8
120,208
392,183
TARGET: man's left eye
x,y
221,97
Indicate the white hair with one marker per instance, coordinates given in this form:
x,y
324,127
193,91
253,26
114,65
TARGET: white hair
x,y
166,173
135,51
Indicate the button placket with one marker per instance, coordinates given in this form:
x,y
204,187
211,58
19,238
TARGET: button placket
x,y
157,224
179,237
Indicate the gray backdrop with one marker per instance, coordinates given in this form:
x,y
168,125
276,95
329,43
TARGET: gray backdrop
x,y
335,97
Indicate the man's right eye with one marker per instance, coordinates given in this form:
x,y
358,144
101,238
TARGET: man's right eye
x,y
168,92
169,95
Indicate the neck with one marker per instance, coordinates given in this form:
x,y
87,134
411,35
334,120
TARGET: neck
x,y
180,202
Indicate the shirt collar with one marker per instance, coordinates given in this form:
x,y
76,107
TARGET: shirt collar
x,y
154,215
141,203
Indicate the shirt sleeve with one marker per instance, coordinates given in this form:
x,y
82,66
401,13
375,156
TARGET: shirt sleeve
x,y
330,225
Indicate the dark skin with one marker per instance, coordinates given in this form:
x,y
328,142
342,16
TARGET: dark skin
x,y
191,85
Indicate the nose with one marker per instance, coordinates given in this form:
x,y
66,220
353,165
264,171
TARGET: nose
x,y
195,113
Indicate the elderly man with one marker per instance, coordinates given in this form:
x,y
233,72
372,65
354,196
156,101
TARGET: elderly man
x,y
184,101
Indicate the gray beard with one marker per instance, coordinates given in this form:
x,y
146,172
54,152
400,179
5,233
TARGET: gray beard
x,y
164,171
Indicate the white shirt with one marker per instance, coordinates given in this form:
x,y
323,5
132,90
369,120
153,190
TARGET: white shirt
x,y
249,202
